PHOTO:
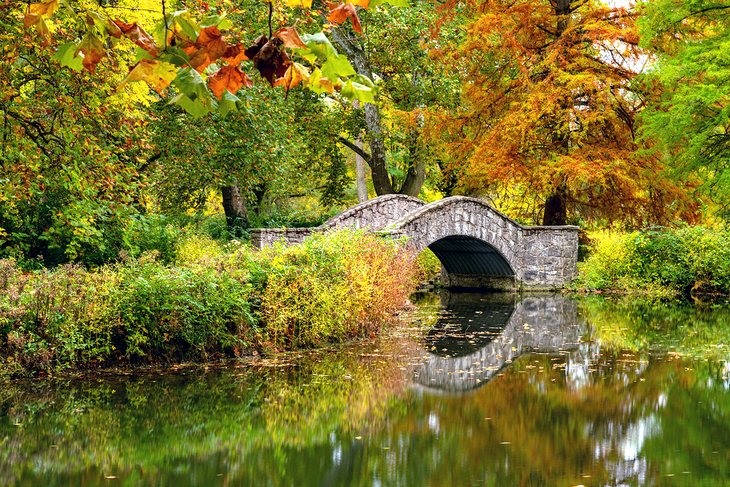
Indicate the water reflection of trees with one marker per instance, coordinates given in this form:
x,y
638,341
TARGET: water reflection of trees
x,y
351,417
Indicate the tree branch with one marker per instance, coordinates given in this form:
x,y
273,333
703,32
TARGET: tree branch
x,y
355,149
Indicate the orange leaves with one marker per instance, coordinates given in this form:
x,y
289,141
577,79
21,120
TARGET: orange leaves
x,y
295,74
36,15
139,36
208,48
230,78
290,38
158,75
340,13
93,51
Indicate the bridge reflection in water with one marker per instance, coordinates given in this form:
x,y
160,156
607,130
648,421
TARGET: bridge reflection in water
x,y
479,334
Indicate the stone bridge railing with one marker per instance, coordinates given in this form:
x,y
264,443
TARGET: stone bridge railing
x,y
374,214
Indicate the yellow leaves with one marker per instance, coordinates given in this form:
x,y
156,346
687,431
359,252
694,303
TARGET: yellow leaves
x,y
295,74
158,75
36,15
230,78
298,3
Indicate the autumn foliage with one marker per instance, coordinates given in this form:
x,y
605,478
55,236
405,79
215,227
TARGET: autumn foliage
x,y
182,43
549,107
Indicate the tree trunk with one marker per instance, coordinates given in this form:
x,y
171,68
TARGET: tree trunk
x,y
360,175
373,123
555,207
416,174
235,210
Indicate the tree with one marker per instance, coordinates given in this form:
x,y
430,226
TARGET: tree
x,y
549,111
394,51
690,117
68,176
270,150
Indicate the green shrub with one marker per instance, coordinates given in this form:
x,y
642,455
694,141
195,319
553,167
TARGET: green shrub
x,y
659,260
221,301
168,311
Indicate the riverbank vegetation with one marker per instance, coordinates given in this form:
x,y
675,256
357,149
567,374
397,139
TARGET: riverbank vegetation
x,y
211,302
659,261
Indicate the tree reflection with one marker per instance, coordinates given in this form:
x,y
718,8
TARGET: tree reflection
x,y
572,414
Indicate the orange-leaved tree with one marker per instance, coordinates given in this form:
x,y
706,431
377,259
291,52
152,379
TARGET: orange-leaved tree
x,y
548,108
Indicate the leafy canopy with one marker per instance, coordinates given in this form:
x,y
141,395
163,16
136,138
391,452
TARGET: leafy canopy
x,y
199,54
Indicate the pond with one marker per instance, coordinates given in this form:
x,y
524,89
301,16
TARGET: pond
x,y
474,390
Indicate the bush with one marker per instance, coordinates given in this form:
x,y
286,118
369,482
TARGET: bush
x,y
334,286
214,301
686,259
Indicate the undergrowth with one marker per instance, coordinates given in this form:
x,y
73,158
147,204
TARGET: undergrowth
x,y
660,261
214,300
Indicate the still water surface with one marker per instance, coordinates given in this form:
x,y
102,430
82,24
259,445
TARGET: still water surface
x,y
476,390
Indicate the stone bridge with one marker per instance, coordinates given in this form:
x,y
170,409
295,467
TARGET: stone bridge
x,y
478,246
476,341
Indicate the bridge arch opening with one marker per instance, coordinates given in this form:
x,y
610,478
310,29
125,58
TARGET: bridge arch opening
x,y
471,263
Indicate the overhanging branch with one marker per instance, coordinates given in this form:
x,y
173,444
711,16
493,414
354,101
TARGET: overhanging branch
x,y
355,149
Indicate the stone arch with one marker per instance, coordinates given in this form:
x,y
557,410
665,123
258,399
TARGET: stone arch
x,y
466,234
477,245
375,214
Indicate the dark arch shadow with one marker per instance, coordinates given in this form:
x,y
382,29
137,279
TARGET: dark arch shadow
x,y
536,323
468,323
469,262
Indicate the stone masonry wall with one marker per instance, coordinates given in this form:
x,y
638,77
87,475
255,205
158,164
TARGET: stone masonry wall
x,y
374,214
541,257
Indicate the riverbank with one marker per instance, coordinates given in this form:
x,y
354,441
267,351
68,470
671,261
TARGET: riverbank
x,y
211,302
658,262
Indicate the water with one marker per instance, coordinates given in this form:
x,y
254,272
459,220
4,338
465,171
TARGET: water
x,y
477,391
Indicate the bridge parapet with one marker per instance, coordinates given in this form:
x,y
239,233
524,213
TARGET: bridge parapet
x,y
374,214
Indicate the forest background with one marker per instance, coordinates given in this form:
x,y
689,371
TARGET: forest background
x,y
128,125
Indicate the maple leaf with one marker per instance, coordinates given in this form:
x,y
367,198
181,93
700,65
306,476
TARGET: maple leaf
x,y
139,36
230,78
319,83
269,58
158,75
209,47
340,13
295,74
93,50
290,37
36,15
104,24
234,55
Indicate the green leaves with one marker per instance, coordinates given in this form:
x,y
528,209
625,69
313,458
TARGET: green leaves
x,y
194,95
66,55
181,41
687,121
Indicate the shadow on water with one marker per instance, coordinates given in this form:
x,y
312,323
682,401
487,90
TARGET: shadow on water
x,y
477,335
